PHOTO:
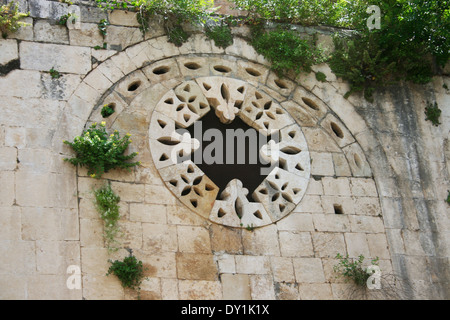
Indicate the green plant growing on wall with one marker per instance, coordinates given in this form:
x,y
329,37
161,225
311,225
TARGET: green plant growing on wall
x,y
353,270
54,73
107,110
64,18
221,34
320,76
433,113
130,272
285,50
101,152
9,18
448,197
102,27
107,204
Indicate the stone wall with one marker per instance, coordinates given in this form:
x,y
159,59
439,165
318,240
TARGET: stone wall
x,y
391,195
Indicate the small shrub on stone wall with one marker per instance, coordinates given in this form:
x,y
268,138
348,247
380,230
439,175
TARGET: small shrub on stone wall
x,y
286,50
101,152
353,270
9,18
107,204
130,272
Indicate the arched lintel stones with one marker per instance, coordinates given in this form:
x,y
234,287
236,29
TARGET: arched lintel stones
x,y
157,64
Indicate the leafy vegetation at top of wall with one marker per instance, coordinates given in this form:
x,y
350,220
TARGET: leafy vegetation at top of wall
x,y
286,50
174,13
412,44
9,18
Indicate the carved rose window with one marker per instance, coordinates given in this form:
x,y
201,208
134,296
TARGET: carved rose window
x,y
283,157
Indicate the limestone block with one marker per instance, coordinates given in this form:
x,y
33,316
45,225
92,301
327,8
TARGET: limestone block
x,y
261,241
194,66
322,163
199,290
180,214
98,81
196,266
338,205
87,35
253,73
44,56
123,62
132,86
9,50
162,265
262,287
286,291
337,130
130,192
91,233
8,158
21,257
308,270
357,245
357,161
53,257
327,244
153,213
235,286
158,238
21,83
14,287
46,190
309,204
336,186
10,223
159,194
61,88
341,166
296,222
123,18
319,141
45,32
367,224
252,264
101,287
368,206
226,263
331,222
282,269
193,239
308,101
198,43
283,86
169,289
295,244
362,187
228,240
378,246
315,291
122,37
300,115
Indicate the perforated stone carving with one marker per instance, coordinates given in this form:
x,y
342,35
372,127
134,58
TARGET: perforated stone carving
x,y
286,150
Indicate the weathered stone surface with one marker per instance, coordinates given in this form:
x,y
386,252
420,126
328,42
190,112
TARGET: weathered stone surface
x,y
43,57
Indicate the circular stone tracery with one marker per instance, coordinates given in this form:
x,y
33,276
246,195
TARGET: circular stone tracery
x,y
286,182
